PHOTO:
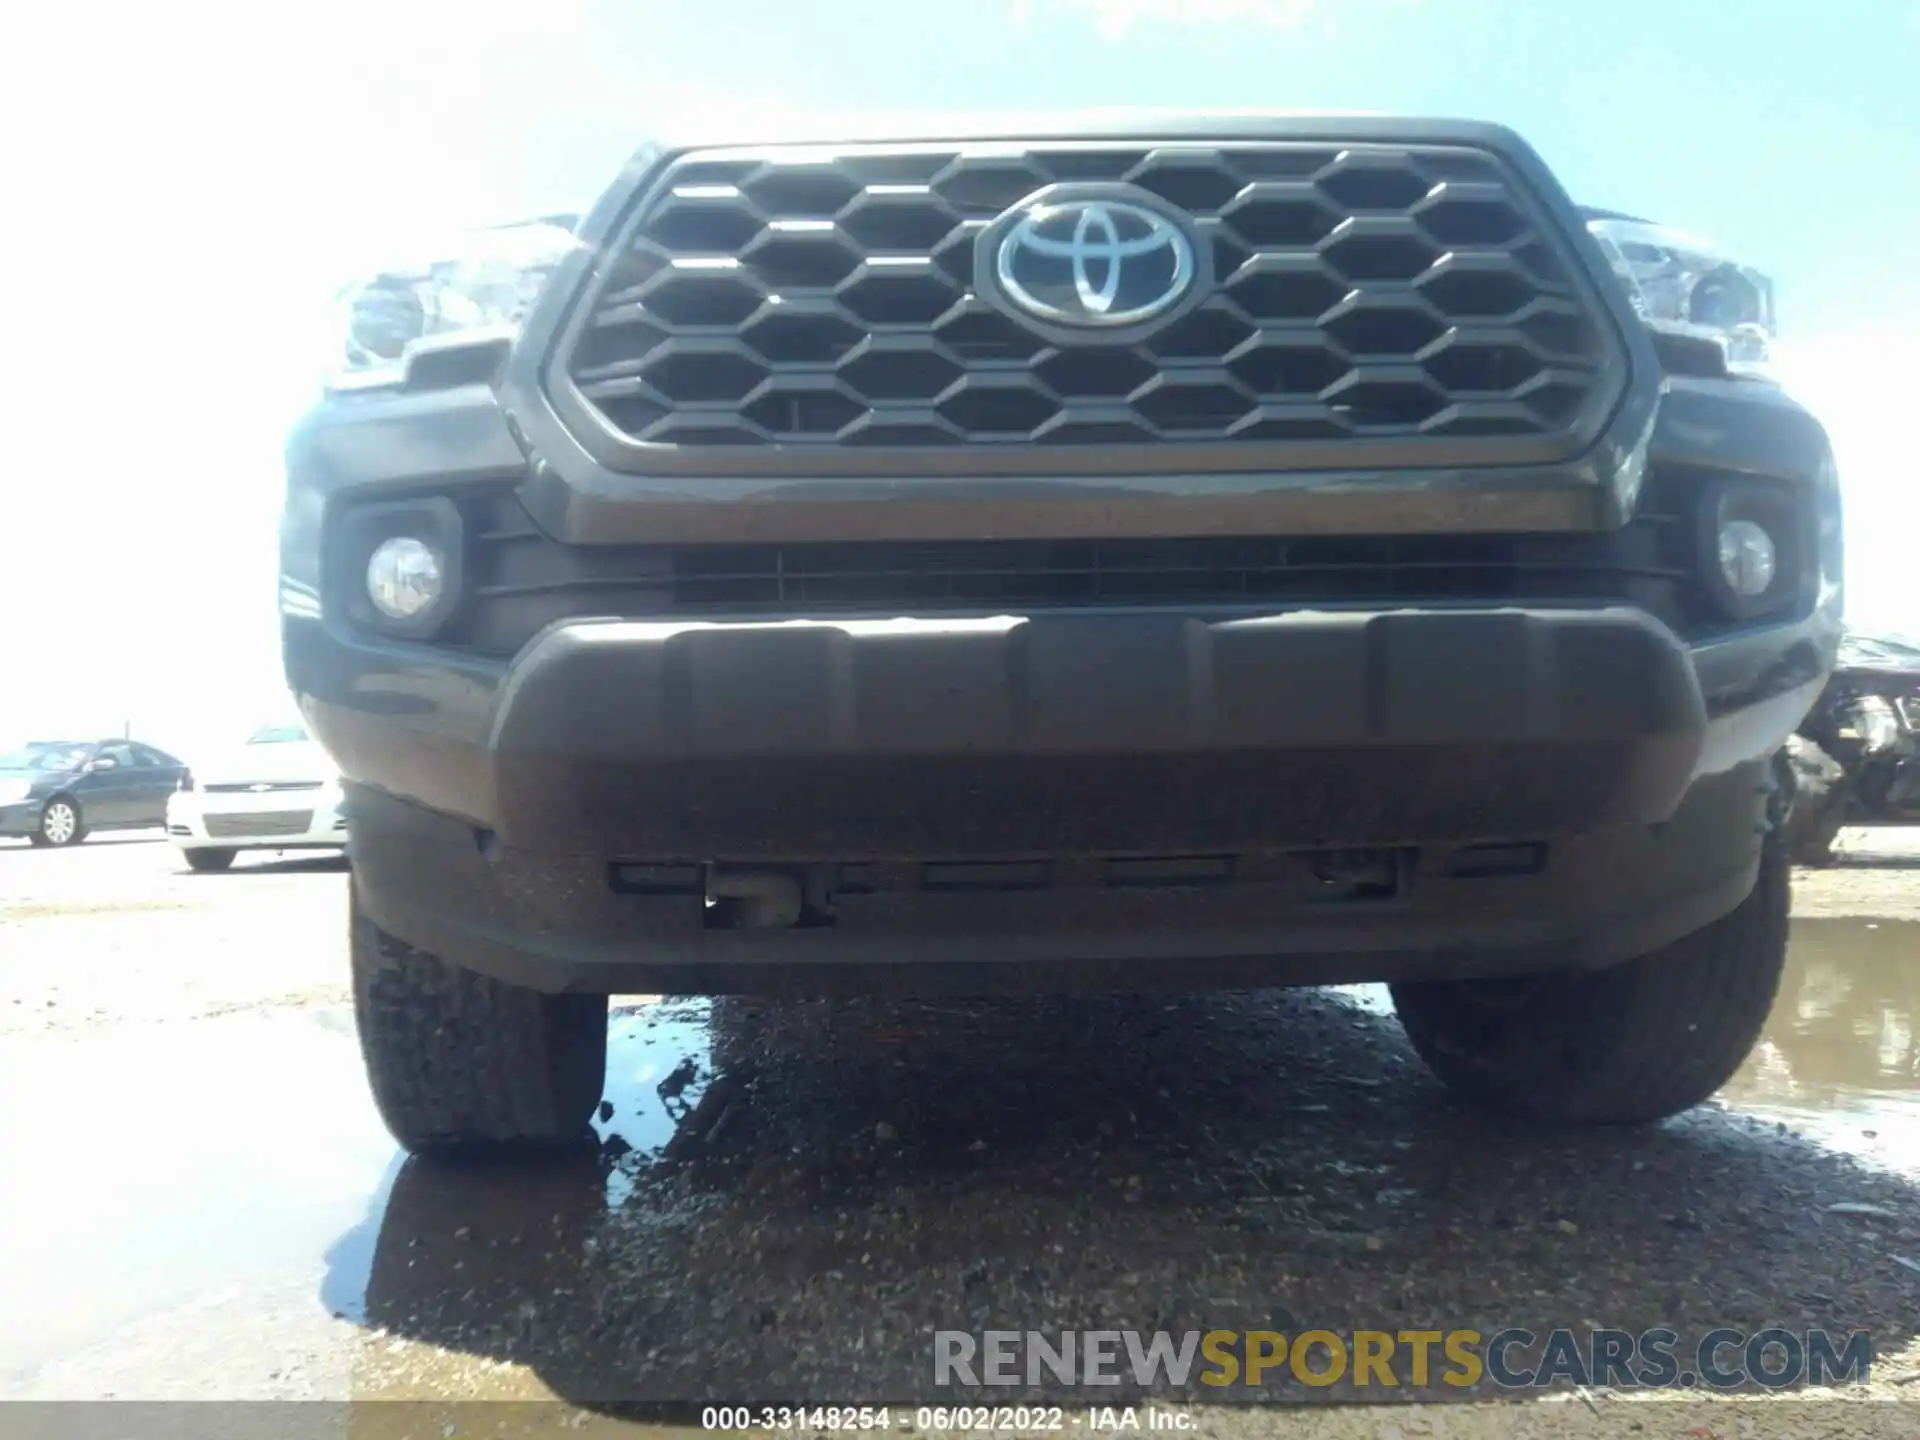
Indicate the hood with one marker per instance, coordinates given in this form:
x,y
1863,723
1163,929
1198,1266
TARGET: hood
x,y
40,776
291,760
39,783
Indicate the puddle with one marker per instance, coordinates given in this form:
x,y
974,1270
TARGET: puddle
x,y
516,1216
1368,999
153,1166
1839,1060
659,1067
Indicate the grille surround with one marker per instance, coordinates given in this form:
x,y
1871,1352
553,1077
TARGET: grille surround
x,y
524,580
1333,339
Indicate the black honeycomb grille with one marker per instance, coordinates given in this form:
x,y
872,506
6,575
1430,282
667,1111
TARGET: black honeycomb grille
x,y
800,298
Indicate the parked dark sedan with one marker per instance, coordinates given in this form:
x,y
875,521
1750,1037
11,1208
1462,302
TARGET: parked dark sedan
x,y
57,792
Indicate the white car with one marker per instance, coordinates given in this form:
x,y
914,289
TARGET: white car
x,y
279,791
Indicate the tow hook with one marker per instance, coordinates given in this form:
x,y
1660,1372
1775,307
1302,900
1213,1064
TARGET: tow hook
x,y
756,899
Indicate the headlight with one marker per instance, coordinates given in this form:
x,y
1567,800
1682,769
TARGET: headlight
x,y
1687,286
480,289
12,792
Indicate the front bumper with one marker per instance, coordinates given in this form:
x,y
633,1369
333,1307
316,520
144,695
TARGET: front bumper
x,y
1127,798
553,921
270,820
1148,732
20,819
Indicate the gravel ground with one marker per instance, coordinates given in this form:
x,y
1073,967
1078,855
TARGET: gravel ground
x,y
120,930
789,1199
1267,1162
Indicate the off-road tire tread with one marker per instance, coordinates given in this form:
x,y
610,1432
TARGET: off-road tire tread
x,y
1629,1044
461,1062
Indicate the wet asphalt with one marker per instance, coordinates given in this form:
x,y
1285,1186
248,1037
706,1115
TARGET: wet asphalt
x,y
785,1201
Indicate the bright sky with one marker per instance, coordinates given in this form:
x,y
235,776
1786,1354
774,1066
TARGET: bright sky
x,y
192,179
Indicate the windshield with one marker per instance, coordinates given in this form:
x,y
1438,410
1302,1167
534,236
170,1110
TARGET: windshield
x,y
278,734
44,759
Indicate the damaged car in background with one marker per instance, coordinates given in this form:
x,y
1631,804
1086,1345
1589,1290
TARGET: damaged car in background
x,y
1856,758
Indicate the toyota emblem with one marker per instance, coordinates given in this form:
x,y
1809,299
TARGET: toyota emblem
x,y
1096,263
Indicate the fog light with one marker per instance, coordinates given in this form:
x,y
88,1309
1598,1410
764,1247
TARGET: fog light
x,y
1747,558
405,577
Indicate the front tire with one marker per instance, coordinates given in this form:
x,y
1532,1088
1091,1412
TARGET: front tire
x,y
461,1062
1626,1045
61,824
211,860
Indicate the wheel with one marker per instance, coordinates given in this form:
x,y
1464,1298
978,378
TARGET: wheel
x,y
61,823
207,861
461,1062
1822,790
1632,1043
